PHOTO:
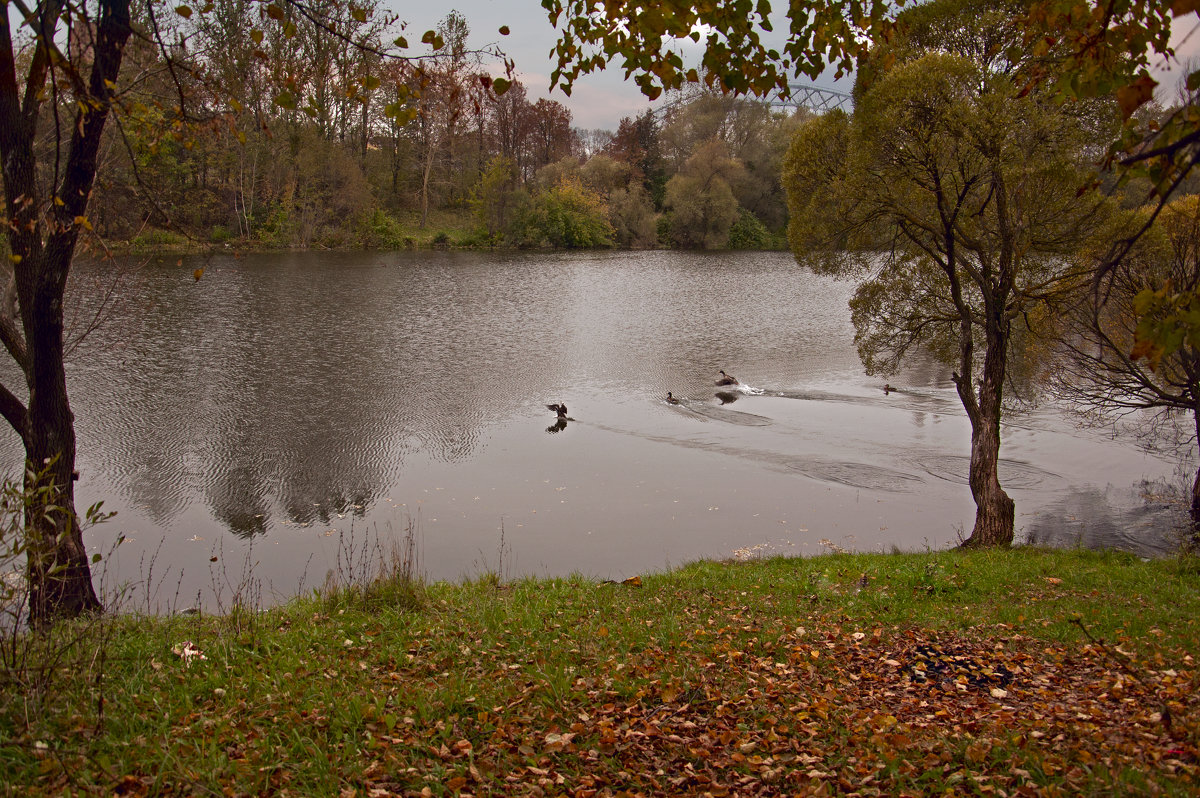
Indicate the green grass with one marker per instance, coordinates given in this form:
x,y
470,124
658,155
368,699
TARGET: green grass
x,y
153,240
445,227
770,677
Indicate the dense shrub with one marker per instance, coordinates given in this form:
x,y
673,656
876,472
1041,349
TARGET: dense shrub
x,y
380,230
567,215
748,232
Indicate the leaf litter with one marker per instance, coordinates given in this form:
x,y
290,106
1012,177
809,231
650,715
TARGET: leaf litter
x,y
884,712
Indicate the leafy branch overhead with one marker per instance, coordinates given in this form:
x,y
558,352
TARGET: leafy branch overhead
x,y
1084,49
738,56
1087,49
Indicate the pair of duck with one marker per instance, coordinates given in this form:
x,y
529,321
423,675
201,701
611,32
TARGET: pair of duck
x,y
560,408
726,379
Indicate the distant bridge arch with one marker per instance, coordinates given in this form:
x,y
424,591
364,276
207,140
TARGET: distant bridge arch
x,y
814,98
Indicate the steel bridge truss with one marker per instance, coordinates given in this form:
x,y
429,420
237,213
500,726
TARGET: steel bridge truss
x,y
814,98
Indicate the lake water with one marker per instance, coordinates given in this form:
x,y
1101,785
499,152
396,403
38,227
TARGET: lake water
x,y
286,408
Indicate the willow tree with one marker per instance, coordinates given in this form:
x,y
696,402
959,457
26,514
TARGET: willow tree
x,y
955,198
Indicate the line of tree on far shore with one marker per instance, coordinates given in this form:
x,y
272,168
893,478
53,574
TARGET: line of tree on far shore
x,y
363,151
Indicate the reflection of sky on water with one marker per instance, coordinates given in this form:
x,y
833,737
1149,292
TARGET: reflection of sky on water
x,y
294,400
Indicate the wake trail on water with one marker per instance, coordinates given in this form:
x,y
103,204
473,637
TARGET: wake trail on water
x,y
818,467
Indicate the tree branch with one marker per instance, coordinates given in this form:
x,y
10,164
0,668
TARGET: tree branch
x,y
14,412
10,334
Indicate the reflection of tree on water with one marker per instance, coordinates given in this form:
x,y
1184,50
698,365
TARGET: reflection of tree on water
x,y
253,389
305,425
223,389
327,509
239,501
1127,519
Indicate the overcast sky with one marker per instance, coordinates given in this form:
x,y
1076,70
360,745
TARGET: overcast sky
x,y
597,101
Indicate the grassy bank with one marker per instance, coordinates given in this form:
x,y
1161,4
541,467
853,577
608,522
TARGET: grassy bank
x,y
999,673
453,228
444,229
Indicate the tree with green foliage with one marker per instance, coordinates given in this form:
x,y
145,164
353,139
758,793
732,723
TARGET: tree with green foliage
x,y
632,215
497,197
700,199
637,143
754,135
956,196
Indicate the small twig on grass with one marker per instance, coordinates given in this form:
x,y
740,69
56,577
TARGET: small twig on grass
x,y
1165,714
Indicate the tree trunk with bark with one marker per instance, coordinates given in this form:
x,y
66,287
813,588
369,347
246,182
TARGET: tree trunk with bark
x,y
995,510
1195,510
42,235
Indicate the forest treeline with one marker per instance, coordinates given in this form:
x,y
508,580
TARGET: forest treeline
x,y
296,138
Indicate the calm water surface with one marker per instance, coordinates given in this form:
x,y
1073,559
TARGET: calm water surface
x,y
283,406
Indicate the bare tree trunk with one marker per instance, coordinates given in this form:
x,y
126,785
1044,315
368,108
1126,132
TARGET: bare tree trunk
x,y
425,179
994,509
1195,510
362,156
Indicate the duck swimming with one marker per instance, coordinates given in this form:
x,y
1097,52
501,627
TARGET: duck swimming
x,y
560,408
727,379
671,400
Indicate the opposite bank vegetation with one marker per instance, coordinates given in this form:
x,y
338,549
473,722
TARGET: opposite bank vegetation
x,y
1021,672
